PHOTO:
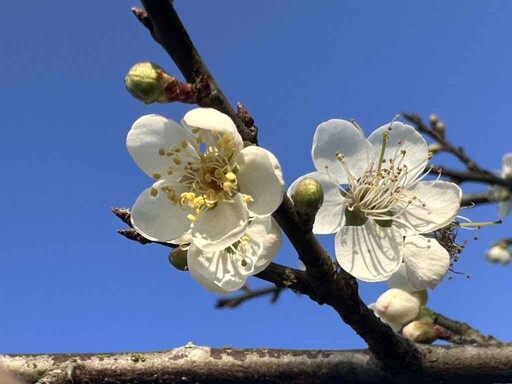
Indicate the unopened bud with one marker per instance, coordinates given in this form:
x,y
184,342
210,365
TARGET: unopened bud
x,y
434,148
397,306
440,127
499,253
420,332
425,315
178,259
433,119
308,197
146,82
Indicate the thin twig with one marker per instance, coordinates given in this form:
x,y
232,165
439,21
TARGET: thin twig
x,y
235,301
472,199
445,144
463,333
162,21
461,176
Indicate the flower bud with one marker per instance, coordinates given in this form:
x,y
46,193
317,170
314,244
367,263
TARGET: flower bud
x,y
434,148
178,259
420,332
499,253
308,197
440,127
397,306
425,315
433,119
146,82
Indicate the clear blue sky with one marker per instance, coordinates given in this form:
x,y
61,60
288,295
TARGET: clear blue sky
x,y
69,283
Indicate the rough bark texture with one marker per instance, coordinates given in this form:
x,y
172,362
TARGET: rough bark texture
x,y
194,364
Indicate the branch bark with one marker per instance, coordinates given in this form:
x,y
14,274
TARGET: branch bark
x,y
463,333
191,364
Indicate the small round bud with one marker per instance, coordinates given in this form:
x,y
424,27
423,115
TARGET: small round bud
x,y
440,126
498,253
178,259
433,119
397,306
434,148
420,332
425,315
146,82
308,196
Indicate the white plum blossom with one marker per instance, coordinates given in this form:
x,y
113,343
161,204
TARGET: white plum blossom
x,y
377,203
206,182
397,307
227,270
498,254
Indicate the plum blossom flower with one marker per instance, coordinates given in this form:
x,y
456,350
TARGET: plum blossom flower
x,y
206,182
227,270
377,203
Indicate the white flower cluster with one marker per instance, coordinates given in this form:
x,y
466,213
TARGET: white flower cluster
x,y
210,194
377,203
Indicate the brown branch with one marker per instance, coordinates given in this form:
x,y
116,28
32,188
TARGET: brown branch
x,y
463,333
438,136
471,199
195,364
235,301
331,286
162,21
461,176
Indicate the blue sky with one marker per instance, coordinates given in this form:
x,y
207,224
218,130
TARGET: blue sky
x,y
69,283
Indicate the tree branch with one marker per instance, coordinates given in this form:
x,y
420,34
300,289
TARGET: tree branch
x,y
331,286
470,199
439,136
463,333
191,364
235,301
461,176
162,21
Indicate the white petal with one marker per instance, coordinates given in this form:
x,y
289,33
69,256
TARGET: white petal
x,y
271,245
504,208
150,135
507,166
340,136
209,119
330,216
441,200
400,280
426,261
221,226
402,137
260,177
158,218
214,270
369,252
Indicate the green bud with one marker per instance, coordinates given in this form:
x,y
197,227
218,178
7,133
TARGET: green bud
x,y
422,296
420,332
434,148
178,259
146,82
425,315
308,197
